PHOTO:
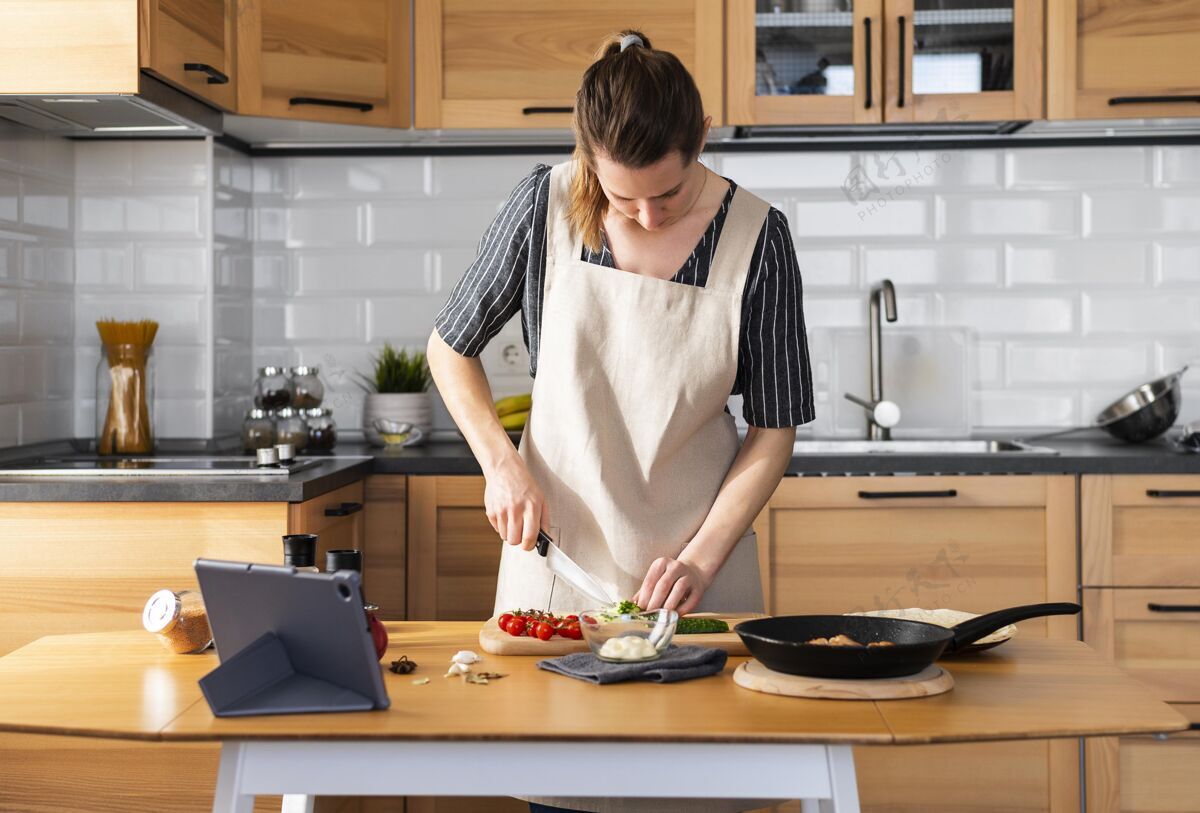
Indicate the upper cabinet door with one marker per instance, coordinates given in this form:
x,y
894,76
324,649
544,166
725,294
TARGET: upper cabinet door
x,y
964,60
190,43
1109,59
518,63
345,62
804,62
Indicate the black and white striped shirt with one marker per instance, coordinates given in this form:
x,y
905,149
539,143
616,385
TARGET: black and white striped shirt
x,y
773,375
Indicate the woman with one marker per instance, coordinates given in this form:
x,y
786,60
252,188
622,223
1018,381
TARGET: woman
x,y
650,289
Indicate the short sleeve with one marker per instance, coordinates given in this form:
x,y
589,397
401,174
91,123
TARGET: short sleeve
x,y
774,372
492,288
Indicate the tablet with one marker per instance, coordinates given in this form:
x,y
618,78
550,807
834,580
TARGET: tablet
x,y
289,641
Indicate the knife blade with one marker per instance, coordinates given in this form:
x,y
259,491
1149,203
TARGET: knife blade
x,y
562,565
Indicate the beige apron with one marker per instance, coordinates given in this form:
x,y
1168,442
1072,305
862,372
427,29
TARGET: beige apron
x,y
628,437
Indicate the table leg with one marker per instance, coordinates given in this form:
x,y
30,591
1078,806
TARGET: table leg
x,y
297,803
229,797
842,781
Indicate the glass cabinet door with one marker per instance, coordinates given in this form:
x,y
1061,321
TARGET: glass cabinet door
x,y
804,61
977,60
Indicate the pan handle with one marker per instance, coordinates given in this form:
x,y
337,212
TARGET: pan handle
x,y
968,632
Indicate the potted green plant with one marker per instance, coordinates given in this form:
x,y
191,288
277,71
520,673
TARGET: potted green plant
x,y
398,390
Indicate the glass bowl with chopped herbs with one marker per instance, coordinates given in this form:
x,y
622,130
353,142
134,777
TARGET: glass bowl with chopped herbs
x,y
625,633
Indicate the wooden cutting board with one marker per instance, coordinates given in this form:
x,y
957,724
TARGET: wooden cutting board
x,y
496,641
756,677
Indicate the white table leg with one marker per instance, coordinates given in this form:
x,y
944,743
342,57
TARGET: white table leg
x,y
842,781
297,803
229,797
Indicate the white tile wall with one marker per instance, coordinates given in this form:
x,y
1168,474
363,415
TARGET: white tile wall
x,y
37,275
232,290
1077,269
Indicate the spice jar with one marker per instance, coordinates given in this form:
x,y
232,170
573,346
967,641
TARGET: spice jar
x,y
322,431
300,551
291,427
352,560
179,620
258,430
307,389
272,388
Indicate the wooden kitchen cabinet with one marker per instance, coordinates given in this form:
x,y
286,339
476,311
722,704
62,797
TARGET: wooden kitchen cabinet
x,y
975,543
191,44
1122,59
1140,561
345,62
518,63
884,61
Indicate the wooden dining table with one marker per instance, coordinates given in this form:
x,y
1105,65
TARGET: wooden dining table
x,y
450,737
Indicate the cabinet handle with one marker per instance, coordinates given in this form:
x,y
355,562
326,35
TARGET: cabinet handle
x,y
1194,727
1160,492
867,34
535,111
215,77
365,107
903,64
1116,100
906,495
344,510
1173,608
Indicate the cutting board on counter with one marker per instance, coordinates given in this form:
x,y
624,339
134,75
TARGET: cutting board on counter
x,y
496,641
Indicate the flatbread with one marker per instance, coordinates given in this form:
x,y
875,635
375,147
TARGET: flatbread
x,y
943,618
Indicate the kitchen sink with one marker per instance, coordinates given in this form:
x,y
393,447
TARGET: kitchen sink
x,y
929,447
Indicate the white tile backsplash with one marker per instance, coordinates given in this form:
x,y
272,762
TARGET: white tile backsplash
x,y
963,216
1056,168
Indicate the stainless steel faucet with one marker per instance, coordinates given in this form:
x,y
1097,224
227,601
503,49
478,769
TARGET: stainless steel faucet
x,y
881,414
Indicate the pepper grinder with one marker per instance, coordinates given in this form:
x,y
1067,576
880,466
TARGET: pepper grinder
x,y
300,551
352,560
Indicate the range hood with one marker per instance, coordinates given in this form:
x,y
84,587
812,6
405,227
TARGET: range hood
x,y
157,110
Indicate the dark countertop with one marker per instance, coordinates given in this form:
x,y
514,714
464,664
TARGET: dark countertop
x,y
1086,454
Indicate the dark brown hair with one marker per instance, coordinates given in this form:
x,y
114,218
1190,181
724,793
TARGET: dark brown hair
x,y
635,106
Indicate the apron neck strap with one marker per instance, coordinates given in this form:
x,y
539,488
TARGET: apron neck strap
x,y
739,237
561,245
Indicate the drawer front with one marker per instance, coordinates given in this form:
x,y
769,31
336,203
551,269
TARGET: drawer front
x,y
1135,774
1141,531
336,517
195,32
1152,634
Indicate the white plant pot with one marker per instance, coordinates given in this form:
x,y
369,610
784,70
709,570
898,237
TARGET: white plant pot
x,y
412,407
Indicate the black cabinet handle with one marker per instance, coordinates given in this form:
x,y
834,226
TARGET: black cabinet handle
x,y
344,510
906,495
535,111
1194,727
1165,493
215,77
1116,100
867,34
365,107
903,65
1173,608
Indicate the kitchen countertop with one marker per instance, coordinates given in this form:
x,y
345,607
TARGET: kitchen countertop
x,y
1092,453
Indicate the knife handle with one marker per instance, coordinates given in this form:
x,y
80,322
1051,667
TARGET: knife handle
x,y
543,543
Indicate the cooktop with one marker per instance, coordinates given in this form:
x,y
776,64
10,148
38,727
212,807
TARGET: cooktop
x,y
153,467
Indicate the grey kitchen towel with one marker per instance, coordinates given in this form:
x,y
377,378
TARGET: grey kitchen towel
x,y
677,663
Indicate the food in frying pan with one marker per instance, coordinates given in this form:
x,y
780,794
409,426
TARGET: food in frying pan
x,y
845,640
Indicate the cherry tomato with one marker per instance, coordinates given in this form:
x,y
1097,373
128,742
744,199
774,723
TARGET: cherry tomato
x,y
572,618
503,620
544,631
516,626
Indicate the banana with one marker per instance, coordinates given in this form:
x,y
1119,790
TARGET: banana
x,y
514,403
514,420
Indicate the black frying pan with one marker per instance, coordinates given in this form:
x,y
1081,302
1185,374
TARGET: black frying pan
x,y
781,643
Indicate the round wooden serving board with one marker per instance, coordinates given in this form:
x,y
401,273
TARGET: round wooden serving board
x,y
756,677
496,641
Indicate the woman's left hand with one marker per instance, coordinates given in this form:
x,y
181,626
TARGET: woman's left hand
x,y
674,584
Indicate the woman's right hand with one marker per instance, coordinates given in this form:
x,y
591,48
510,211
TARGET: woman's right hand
x,y
515,504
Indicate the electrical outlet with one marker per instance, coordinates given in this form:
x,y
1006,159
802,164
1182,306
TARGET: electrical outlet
x,y
512,356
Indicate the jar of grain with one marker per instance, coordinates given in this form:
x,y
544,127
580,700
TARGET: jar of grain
x,y
179,620
307,389
291,427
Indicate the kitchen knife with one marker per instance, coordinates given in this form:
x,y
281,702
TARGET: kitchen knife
x,y
562,565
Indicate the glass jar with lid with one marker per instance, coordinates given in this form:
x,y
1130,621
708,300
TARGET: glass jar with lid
x,y
307,389
272,388
258,430
322,431
291,427
179,620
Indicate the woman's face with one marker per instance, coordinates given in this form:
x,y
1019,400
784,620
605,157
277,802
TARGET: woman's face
x,y
656,195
